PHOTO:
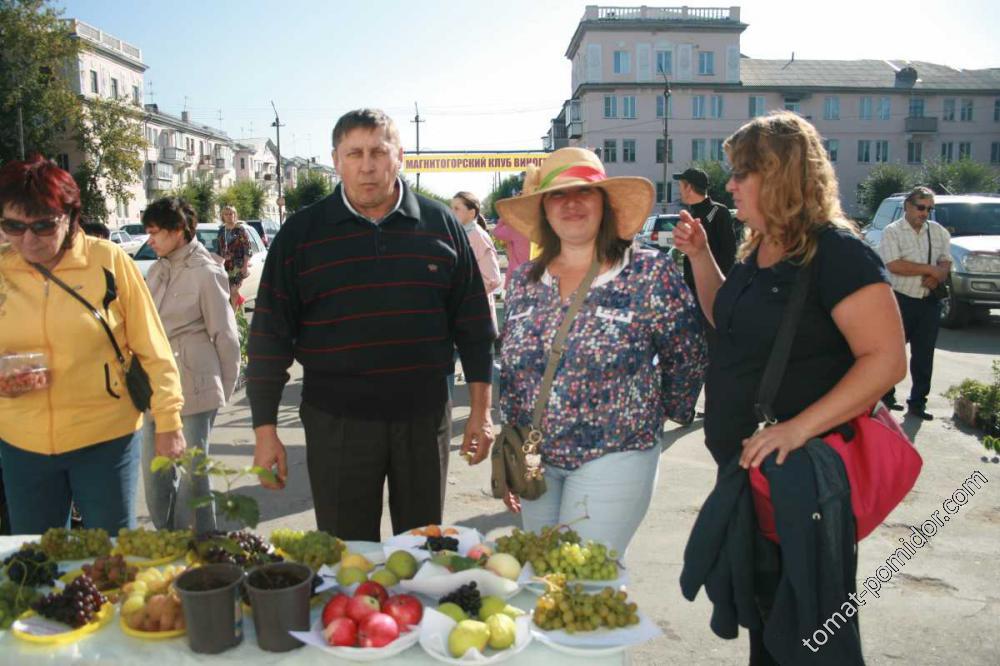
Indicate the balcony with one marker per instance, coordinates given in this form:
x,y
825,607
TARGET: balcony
x,y
220,166
574,130
205,163
156,183
175,156
644,13
922,125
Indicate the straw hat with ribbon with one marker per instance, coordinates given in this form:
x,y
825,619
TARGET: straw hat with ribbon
x,y
630,197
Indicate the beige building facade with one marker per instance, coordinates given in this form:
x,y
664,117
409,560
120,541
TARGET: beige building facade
x,y
868,111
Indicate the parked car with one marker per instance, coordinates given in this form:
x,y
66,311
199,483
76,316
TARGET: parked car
x,y
658,231
125,239
267,229
208,234
137,232
973,221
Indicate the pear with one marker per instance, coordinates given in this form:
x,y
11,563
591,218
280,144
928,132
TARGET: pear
x,y
351,575
453,610
503,631
402,564
357,561
385,578
490,605
466,635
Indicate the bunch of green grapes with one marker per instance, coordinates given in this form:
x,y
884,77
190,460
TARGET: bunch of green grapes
x,y
314,549
572,609
591,561
154,544
529,546
60,543
14,600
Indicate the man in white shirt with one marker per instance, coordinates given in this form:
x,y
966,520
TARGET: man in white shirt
x,y
916,251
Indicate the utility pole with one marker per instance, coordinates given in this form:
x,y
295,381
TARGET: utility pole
x,y
666,138
277,128
417,120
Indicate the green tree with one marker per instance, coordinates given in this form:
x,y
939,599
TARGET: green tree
x,y
959,177
310,188
718,176
508,187
246,196
36,48
200,193
883,181
427,193
109,135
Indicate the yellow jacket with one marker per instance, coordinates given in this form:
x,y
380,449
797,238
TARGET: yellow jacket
x,y
86,402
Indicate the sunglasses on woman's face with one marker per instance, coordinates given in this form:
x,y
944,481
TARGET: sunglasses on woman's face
x,y
39,228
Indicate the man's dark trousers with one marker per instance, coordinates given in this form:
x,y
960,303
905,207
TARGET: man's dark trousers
x,y
921,322
349,459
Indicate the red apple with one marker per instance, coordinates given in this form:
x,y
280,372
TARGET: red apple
x,y
334,608
377,630
358,608
479,551
372,589
341,632
405,609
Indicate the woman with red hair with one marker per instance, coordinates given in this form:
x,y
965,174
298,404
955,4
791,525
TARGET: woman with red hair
x,y
72,435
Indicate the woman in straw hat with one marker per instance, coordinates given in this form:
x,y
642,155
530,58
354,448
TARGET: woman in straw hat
x,y
609,399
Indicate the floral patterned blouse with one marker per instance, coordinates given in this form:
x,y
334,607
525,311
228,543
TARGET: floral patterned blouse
x,y
234,247
635,356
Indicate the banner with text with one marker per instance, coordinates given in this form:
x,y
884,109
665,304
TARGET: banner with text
x,y
428,162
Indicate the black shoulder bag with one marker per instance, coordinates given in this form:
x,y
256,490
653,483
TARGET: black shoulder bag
x,y
136,378
940,292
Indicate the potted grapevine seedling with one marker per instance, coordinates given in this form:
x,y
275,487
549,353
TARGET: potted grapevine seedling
x,y
210,597
279,596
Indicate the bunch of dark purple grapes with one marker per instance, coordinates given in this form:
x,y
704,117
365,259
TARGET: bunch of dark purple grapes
x,y
30,566
76,605
437,544
467,597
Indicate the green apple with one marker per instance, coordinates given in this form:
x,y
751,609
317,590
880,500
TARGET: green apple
x,y
351,575
385,578
466,635
490,605
502,630
402,564
453,610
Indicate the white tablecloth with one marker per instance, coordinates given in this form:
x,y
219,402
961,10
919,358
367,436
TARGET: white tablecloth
x,y
110,645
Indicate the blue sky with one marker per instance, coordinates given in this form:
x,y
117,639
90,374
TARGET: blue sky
x,y
486,75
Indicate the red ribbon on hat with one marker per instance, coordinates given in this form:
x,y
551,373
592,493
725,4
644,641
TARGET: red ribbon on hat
x,y
582,172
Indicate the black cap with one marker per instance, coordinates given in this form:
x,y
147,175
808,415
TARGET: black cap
x,y
696,177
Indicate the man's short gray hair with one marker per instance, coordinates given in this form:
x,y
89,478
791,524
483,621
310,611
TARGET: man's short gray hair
x,y
919,192
368,119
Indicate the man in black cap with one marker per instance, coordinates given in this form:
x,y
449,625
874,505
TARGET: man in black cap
x,y
713,216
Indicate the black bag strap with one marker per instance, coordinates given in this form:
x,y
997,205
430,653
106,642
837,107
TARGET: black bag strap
x,y
777,362
94,311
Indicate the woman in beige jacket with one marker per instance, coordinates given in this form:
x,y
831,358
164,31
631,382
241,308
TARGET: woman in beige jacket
x,y
191,293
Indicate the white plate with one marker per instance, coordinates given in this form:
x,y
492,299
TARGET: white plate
x,y
600,641
467,538
436,581
434,632
329,574
314,638
528,572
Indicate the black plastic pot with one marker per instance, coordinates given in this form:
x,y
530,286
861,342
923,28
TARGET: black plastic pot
x,y
210,596
279,596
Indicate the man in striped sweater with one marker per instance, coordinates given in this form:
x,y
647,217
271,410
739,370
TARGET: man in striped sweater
x,y
370,290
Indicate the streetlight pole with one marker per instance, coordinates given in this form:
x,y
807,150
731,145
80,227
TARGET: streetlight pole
x,y
666,139
277,128
417,120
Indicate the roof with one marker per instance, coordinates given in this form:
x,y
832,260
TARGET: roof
x,y
864,74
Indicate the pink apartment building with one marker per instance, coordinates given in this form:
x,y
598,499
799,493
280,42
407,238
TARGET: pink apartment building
x,y
868,111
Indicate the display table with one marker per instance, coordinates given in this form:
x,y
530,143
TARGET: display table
x,y
110,645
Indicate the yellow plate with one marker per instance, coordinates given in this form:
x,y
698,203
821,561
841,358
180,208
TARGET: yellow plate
x,y
70,576
65,637
149,635
143,562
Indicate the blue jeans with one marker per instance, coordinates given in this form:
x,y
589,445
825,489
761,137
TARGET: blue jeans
x,y
101,479
613,490
168,495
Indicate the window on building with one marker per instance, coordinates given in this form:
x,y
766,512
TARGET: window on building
x,y
706,63
243,164
715,151
948,111
864,151
623,62
610,150
756,106
664,62
660,103
698,106
882,151
659,192
114,89
716,107
832,148
884,108
914,152
995,152
947,151
122,206
628,150
966,112
94,88
865,108
610,106
659,151
831,108
698,149
62,159
628,106
996,110
916,107
965,150
136,96
793,105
